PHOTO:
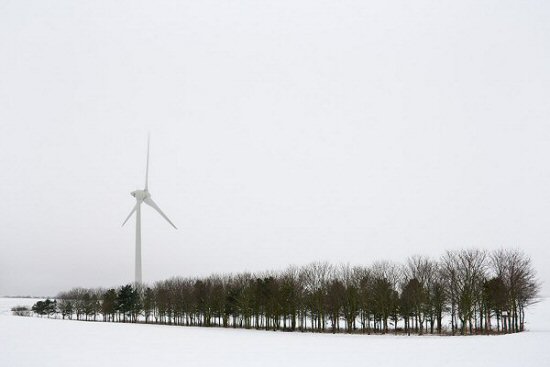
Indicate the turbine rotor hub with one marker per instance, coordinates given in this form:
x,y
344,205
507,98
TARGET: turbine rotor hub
x,y
140,194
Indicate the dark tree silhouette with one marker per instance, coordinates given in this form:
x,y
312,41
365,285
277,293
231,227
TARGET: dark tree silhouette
x,y
468,290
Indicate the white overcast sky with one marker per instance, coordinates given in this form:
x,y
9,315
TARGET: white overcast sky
x,y
282,132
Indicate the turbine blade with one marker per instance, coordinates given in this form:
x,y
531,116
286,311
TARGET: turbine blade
x,y
147,167
129,215
152,204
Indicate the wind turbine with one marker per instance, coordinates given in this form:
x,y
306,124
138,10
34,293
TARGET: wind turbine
x,y
143,196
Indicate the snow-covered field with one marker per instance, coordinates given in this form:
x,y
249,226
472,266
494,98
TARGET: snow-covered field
x,y
31,341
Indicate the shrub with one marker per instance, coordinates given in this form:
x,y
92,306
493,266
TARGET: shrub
x,y
21,311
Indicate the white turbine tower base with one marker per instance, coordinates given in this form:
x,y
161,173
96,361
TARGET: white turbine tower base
x,y
143,196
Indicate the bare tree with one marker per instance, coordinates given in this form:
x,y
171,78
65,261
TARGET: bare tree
x,y
514,268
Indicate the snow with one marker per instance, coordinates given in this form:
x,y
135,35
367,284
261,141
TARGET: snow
x,y
29,341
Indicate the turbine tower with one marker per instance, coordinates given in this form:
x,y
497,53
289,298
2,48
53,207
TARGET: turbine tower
x,y
143,196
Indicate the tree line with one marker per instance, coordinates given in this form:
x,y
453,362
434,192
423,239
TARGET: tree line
x,y
467,291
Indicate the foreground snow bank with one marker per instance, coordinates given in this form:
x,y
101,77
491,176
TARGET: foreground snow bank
x,y
28,341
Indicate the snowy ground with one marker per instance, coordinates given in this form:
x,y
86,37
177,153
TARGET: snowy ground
x,y
31,341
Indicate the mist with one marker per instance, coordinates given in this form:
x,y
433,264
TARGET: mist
x,y
281,133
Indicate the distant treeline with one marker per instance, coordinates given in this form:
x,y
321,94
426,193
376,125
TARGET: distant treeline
x,y
463,292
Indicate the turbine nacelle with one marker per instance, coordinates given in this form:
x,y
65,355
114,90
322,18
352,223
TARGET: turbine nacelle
x,y
141,195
